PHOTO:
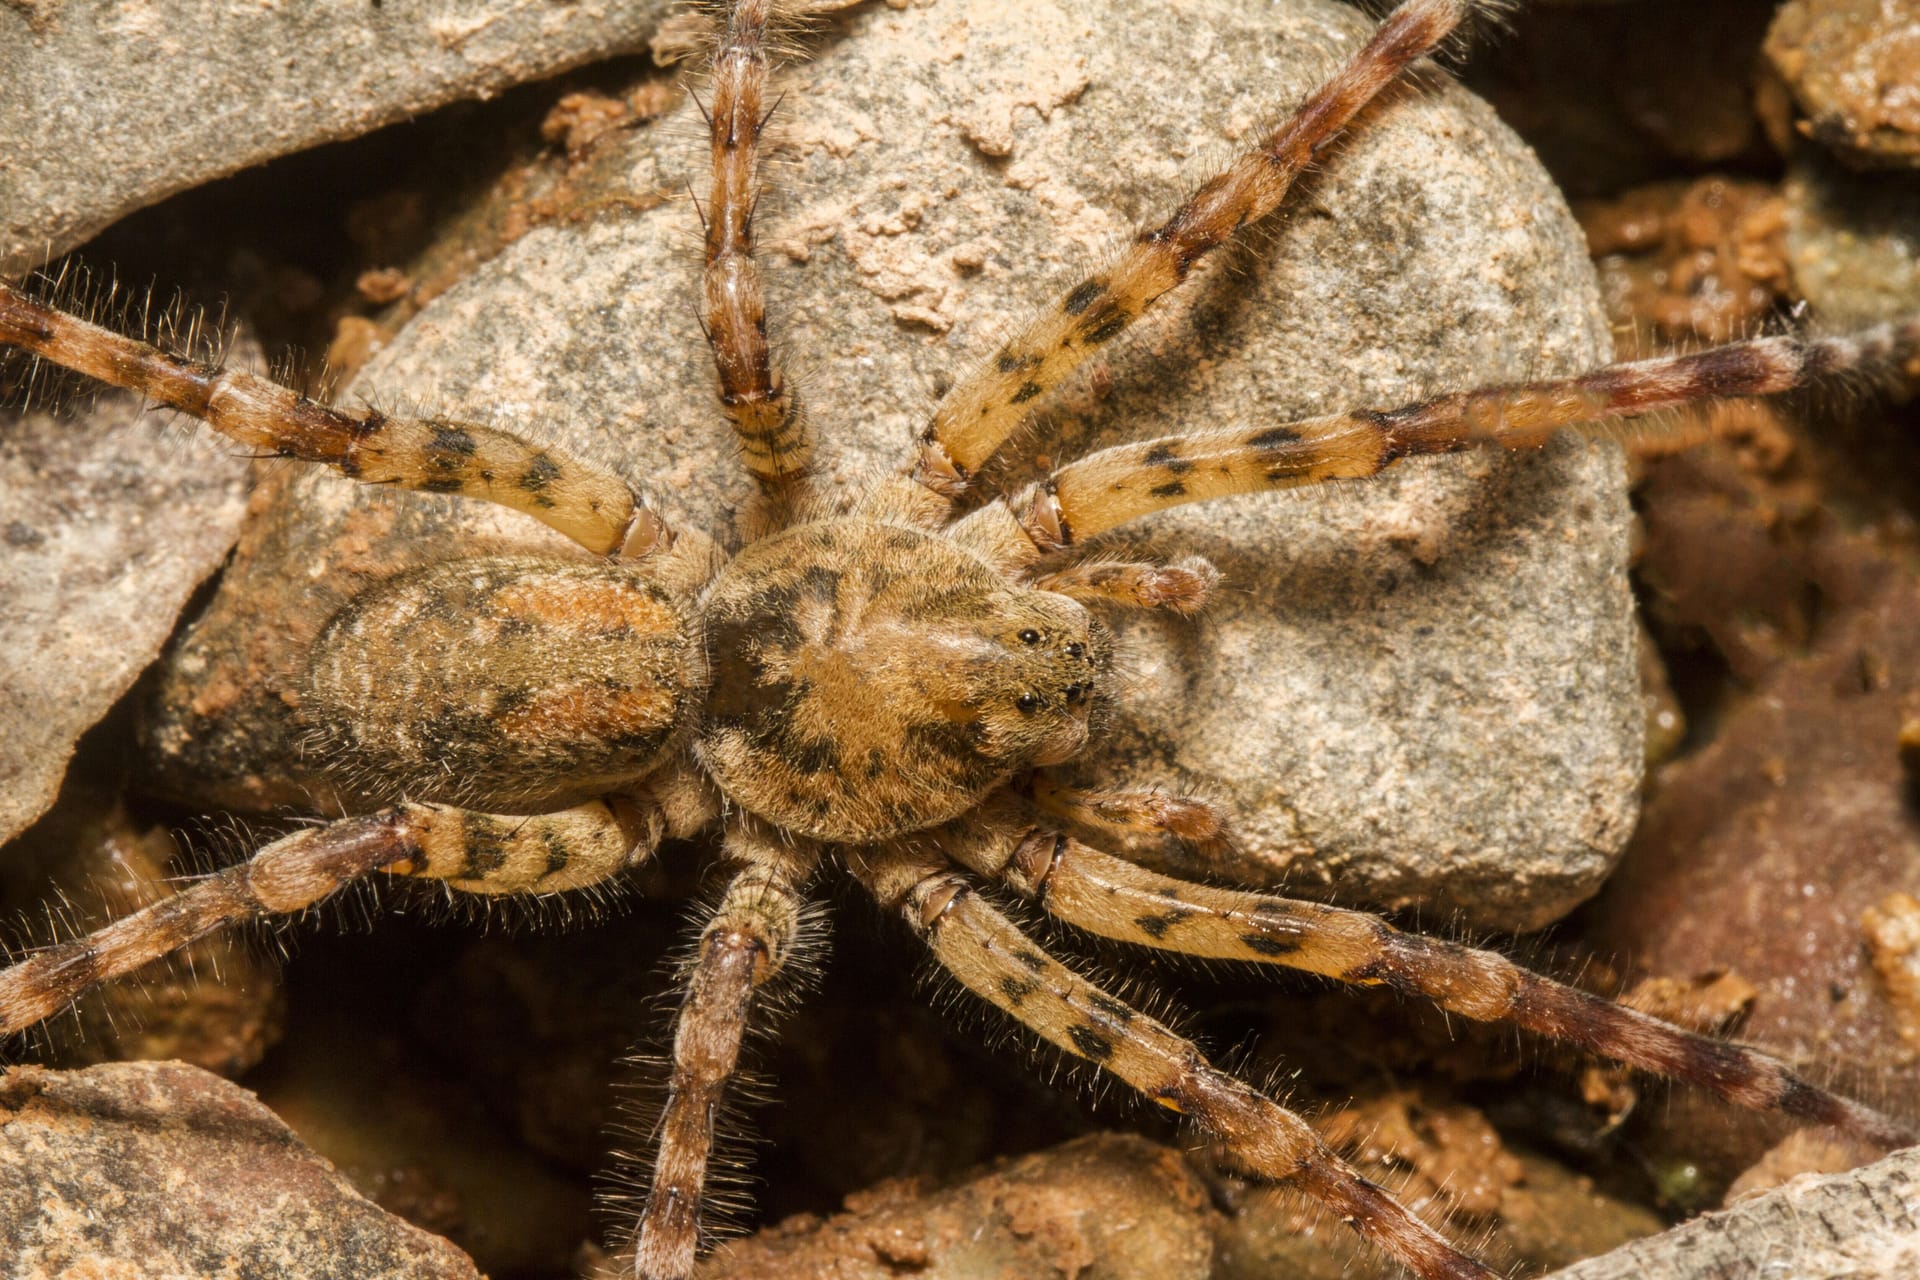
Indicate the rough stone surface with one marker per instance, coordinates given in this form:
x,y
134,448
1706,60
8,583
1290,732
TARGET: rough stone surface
x,y
1415,691
107,106
105,530
1846,1226
1853,241
1518,1212
159,1169
1766,851
1116,1207
1854,68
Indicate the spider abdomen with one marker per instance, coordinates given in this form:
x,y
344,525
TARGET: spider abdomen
x,y
503,682
871,680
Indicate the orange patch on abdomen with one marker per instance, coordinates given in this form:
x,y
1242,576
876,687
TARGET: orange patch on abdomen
x,y
591,714
603,607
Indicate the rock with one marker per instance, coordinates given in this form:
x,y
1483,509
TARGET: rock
x,y
1690,261
1802,1151
111,520
160,1169
116,105
1105,1205
1835,1227
1416,691
1853,241
1774,850
1549,1217
1854,68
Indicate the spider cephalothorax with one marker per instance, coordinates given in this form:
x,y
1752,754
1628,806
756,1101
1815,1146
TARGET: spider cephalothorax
x,y
889,680
871,679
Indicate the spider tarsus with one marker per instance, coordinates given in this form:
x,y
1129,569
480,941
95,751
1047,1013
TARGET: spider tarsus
x,y
1182,588
1744,1076
774,439
744,946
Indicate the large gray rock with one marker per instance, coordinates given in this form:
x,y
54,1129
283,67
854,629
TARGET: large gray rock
x,y
161,1169
1418,691
1854,69
107,106
109,522
1844,1226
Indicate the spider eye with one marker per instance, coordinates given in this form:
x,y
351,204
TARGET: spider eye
x,y
1028,703
1029,636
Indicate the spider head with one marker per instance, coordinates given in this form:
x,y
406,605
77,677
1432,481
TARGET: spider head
x,y
870,680
1042,668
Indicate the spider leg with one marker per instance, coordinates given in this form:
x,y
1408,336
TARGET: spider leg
x,y
1130,815
1115,485
1114,898
474,852
745,944
996,961
990,403
590,506
765,413
1182,588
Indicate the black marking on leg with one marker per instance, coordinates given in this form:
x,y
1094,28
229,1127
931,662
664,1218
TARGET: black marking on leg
x,y
1268,946
1106,1004
1171,489
1818,359
1273,438
1105,326
1082,297
813,755
1017,989
1167,454
1091,1043
1027,391
453,442
1804,1102
558,855
541,472
1031,959
1157,925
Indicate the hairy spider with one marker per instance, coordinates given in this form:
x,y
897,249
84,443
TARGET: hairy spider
x,y
885,683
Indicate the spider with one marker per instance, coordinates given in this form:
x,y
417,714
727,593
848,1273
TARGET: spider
x,y
890,685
